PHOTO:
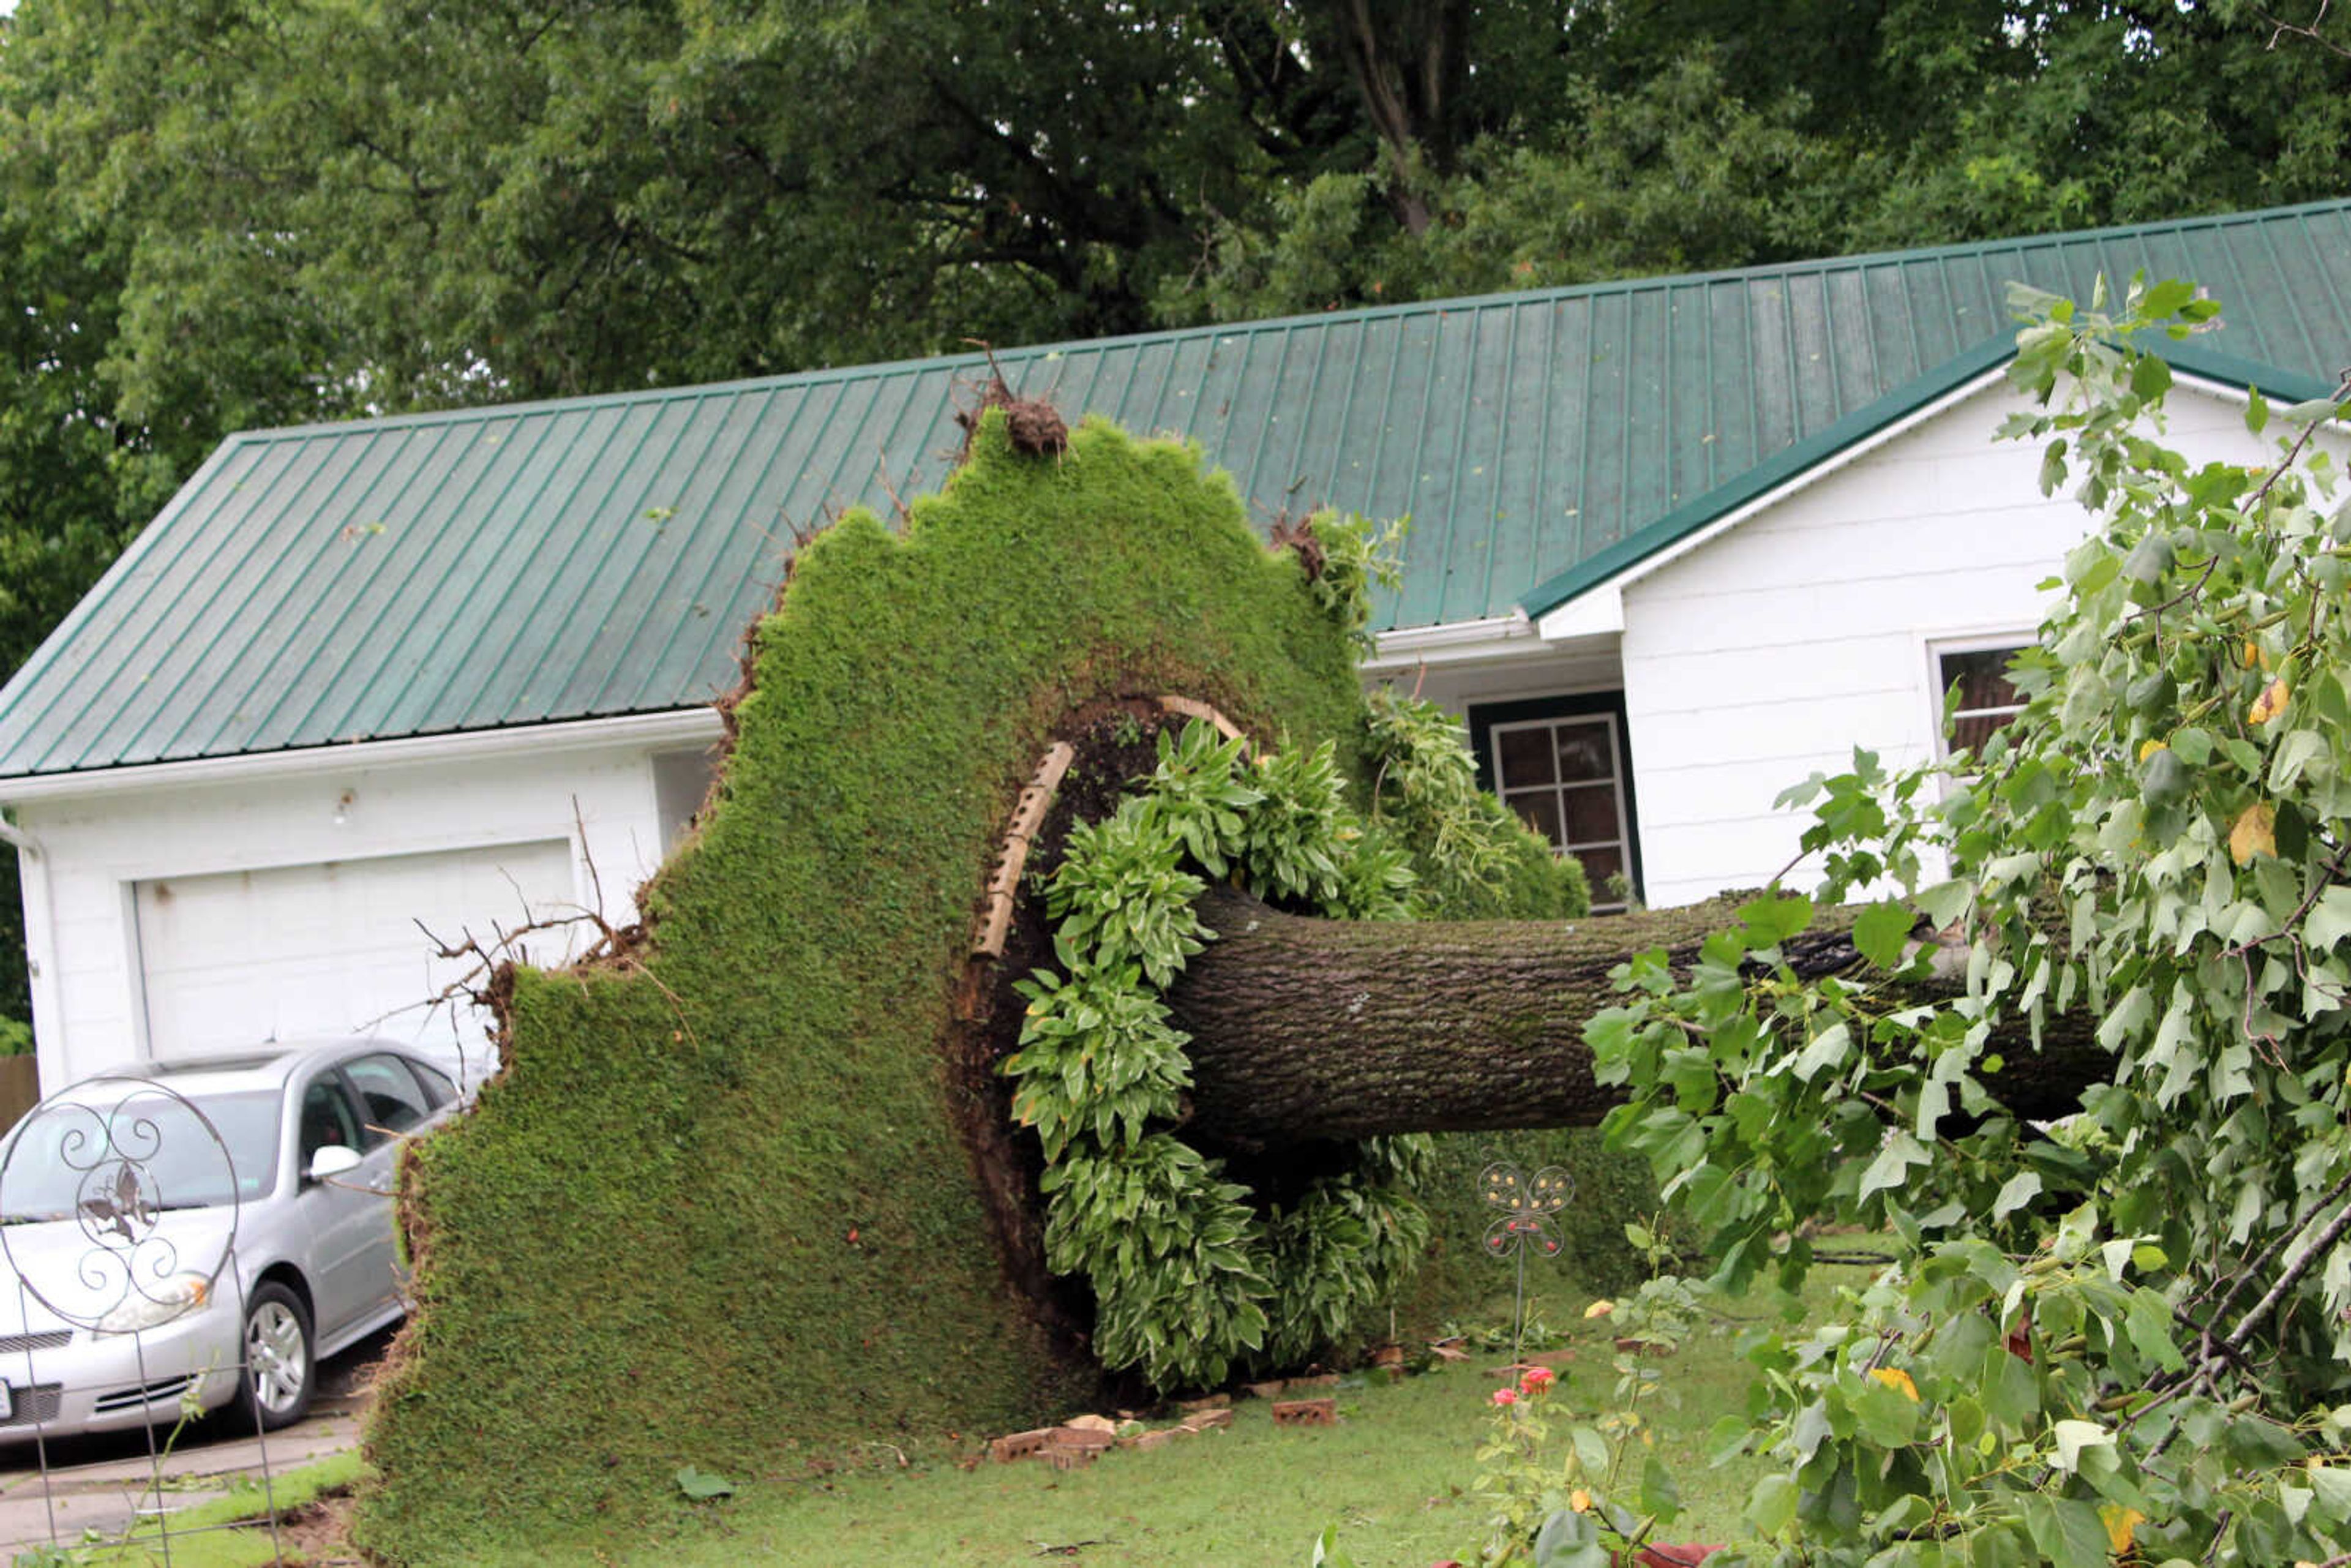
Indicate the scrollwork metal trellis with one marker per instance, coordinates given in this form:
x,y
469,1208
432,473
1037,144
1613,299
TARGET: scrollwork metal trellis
x,y
95,1156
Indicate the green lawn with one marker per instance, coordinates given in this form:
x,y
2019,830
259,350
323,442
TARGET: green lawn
x,y
1395,1477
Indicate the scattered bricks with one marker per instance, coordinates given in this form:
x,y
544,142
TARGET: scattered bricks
x,y
1091,1424
1159,1439
1019,1445
1644,1347
1306,1413
1554,1359
1388,1355
1067,1447
1207,1420
1264,1390
1213,1402
1689,1556
1448,1352
1327,1380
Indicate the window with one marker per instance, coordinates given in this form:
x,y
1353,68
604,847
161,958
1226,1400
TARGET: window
x,y
1561,766
326,1119
438,1089
1986,699
389,1092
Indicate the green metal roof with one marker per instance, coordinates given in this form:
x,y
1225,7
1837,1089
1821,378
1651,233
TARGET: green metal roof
x,y
494,567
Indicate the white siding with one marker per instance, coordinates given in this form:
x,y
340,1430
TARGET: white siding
x,y
1771,650
443,826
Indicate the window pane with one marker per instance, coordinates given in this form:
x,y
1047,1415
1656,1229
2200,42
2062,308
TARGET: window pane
x,y
1969,733
1592,814
1599,865
1584,753
1982,677
1525,757
1537,810
437,1086
389,1099
326,1119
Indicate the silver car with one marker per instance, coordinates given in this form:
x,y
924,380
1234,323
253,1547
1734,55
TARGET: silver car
x,y
201,1233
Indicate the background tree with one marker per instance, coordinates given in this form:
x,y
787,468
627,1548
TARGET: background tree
x,y
255,212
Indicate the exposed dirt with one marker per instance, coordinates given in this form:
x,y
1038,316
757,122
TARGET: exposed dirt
x,y
1296,535
1115,742
317,1535
1036,427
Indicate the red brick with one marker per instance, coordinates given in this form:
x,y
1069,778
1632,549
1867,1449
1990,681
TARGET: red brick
x,y
1306,1413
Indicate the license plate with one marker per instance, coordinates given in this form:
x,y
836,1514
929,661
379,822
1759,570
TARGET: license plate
x,y
7,1403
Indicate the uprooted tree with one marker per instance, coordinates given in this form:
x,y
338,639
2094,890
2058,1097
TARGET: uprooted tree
x,y
747,1193
759,1165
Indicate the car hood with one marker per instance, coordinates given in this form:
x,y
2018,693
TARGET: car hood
x,y
56,1274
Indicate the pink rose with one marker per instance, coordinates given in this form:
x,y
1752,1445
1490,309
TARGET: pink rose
x,y
1506,1396
1537,1380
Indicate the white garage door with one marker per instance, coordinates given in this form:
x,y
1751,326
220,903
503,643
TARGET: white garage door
x,y
235,959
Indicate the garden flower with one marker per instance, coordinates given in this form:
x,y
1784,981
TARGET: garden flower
x,y
1506,1396
1537,1379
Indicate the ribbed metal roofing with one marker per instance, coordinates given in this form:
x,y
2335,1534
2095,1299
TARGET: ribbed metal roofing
x,y
602,555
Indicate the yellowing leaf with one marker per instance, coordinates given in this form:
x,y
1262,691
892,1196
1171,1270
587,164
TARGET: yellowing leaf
x,y
1580,1501
2269,704
2151,748
2120,1524
2256,833
1600,1309
1894,1378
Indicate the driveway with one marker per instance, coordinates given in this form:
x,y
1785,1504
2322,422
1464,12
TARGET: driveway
x,y
104,1483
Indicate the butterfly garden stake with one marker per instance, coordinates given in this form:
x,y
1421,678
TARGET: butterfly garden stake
x,y
1524,1203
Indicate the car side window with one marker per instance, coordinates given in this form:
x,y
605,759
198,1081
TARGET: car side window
x,y
390,1101
326,1119
438,1089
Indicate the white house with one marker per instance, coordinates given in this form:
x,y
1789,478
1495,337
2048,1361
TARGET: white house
x,y
1676,544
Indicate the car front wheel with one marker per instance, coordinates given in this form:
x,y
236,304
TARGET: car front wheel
x,y
274,1389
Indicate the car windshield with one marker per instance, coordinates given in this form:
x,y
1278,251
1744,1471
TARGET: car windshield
x,y
66,1155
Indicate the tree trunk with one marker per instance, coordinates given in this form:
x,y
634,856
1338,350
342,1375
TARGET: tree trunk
x,y
1327,1029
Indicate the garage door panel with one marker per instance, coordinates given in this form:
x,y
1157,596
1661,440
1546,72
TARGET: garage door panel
x,y
234,959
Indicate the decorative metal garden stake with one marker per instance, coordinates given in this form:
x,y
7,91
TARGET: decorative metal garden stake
x,y
1523,1204
95,1156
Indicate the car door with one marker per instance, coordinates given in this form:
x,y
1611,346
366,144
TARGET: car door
x,y
391,1105
349,1224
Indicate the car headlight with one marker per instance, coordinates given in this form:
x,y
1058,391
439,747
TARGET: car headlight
x,y
180,1294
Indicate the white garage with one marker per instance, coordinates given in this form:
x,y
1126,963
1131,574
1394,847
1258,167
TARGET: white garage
x,y
187,908
333,948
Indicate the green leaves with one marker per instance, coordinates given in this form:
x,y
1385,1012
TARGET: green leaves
x,y
1120,894
1882,930
1192,1276
703,1486
1892,1166
2149,865
1772,920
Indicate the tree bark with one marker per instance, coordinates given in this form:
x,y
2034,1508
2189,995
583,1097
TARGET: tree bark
x,y
1326,1029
